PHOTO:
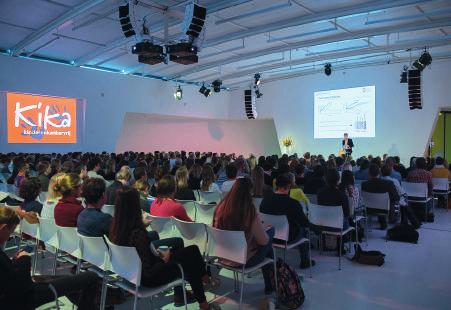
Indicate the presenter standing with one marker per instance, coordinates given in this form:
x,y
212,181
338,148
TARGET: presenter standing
x,y
347,145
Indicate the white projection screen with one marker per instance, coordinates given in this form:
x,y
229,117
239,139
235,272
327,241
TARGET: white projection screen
x,y
350,110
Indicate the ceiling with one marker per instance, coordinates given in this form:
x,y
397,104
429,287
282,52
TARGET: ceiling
x,y
277,38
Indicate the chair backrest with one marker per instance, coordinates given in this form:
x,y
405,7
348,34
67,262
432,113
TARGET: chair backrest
x,y
257,202
162,225
31,230
418,190
190,208
205,213
209,197
48,231
227,244
326,216
42,197
191,233
379,201
440,184
125,262
108,209
312,198
94,251
68,241
280,224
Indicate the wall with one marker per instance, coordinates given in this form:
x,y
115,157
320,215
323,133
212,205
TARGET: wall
x,y
399,131
108,97
148,133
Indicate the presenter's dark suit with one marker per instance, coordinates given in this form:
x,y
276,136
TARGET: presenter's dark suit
x,y
350,144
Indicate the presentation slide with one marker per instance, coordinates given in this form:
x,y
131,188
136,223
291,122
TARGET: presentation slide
x,y
40,119
350,110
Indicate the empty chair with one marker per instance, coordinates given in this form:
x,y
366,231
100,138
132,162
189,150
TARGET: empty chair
x,y
329,219
69,242
190,208
108,209
205,212
441,188
417,193
48,234
126,263
376,203
232,246
162,225
191,233
33,231
209,197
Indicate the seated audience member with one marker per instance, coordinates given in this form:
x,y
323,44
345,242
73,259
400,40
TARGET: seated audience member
x,y
19,291
420,174
165,205
69,206
279,203
143,189
92,222
362,173
82,171
314,180
94,168
407,213
29,191
140,174
258,181
67,167
221,173
122,179
22,174
440,171
208,180
347,186
237,212
296,192
231,172
399,167
330,195
52,199
183,191
195,177
127,229
159,173
110,170
390,161
44,170
377,185
300,175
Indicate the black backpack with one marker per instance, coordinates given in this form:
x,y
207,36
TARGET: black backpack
x,y
375,258
404,233
290,294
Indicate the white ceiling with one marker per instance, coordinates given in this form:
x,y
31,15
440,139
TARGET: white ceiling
x,y
278,38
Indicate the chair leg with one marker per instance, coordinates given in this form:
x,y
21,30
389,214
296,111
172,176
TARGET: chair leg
x,y
151,302
339,254
35,259
135,302
242,288
309,253
184,294
54,261
103,292
276,282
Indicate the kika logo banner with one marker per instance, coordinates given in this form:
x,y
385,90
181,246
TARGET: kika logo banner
x,y
41,119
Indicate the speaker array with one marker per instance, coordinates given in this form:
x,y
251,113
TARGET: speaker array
x,y
249,105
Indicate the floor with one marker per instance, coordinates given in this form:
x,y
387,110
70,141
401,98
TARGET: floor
x,y
414,277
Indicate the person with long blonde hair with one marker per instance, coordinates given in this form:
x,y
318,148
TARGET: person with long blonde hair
x,y
183,192
53,197
69,206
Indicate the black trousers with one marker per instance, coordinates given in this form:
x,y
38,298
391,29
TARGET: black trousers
x,y
80,289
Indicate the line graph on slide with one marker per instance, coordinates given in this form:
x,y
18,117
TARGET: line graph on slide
x,y
349,110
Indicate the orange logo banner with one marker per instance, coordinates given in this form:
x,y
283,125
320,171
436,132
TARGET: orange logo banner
x,y
41,119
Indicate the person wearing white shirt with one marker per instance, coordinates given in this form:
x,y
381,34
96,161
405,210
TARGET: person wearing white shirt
x,y
93,168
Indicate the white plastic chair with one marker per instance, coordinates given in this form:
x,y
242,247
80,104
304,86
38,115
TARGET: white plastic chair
x,y
126,263
191,233
69,242
376,203
330,220
42,197
49,235
417,193
162,225
441,188
108,209
33,231
209,197
232,246
190,208
282,232
205,212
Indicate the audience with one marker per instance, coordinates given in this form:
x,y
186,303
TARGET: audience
x,y
44,170
315,180
29,191
207,184
348,187
183,191
143,188
420,175
258,180
362,173
440,170
69,206
122,179
52,199
93,169
231,172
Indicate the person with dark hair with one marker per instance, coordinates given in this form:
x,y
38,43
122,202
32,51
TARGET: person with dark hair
x,y
440,171
140,173
94,168
260,189
237,212
315,180
280,203
165,205
377,185
231,172
347,186
208,180
44,170
390,161
399,167
362,173
330,195
19,291
128,229
67,166
420,174
29,191
92,222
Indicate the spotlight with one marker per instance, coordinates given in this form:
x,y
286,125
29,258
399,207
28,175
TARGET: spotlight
x,y
424,61
328,69
216,85
257,77
178,94
205,91
258,94
404,75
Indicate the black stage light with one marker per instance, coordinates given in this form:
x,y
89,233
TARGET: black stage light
x,y
257,78
178,94
328,69
404,75
216,85
424,61
205,91
258,93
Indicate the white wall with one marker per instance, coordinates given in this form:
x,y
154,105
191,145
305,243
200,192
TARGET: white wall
x,y
109,96
399,131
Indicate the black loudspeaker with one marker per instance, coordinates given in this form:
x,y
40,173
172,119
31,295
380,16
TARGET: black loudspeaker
x,y
414,83
126,24
194,20
249,105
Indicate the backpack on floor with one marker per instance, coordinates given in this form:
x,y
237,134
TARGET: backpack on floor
x,y
375,258
290,293
404,233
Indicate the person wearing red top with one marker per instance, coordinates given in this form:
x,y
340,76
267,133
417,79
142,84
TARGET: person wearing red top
x,y
165,205
68,207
